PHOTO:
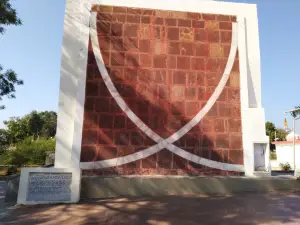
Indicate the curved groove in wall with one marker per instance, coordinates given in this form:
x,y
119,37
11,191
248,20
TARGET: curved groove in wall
x,y
161,143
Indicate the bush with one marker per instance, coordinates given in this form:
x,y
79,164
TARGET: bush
x,y
30,152
285,166
273,156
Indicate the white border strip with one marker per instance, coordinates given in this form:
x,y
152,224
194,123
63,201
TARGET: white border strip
x,y
162,143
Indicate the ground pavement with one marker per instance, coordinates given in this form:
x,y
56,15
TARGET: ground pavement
x,y
245,209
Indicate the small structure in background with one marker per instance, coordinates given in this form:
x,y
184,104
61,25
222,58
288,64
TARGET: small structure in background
x,y
285,153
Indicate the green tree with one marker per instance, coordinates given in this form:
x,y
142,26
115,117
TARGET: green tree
x,y
8,78
270,131
35,124
281,134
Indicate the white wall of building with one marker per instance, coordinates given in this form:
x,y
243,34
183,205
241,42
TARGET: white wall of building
x,y
285,154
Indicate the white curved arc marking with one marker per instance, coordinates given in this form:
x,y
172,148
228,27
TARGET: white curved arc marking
x,y
161,143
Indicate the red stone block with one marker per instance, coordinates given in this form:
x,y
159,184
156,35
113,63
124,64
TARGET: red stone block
x,y
117,44
89,104
106,57
90,120
145,46
119,122
226,36
117,29
213,36
224,95
149,12
159,21
187,48
145,60
179,162
191,108
136,138
173,33
163,92
106,137
235,67
103,28
117,9
234,94
174,48
236,110
134,11
202,50
212,65
144,75
200,35
208,16
146,19
160,76
88,153
191,93
102,105
235,125
194,16
222,141
117,59
133,18
92,89
206,125
213,79
117,74
233,18
198,24
183,62
236,142
184,23
89,137
224,110
104,152
171,22
90,71
216,155
202,93
223,18
103,90
179,77
207,142
132,59
150,162
164,159
91,59
106,121
219,125
213,111
142,107
177,108
104,43
225,25
106,9
225,156
131,75
121,138
177,93
159,61
104,17
131,30
198,64
236,157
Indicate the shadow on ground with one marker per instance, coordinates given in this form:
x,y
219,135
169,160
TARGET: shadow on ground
x,y
250,209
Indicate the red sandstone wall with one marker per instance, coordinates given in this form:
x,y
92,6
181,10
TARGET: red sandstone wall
x,y
165,65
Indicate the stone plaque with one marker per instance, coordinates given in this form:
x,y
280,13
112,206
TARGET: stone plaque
x,y
52,187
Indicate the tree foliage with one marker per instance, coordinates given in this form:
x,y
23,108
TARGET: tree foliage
x,y
35,125
273,132
8,15
8,78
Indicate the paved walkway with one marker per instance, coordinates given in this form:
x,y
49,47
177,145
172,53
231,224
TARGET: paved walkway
x,y
246,209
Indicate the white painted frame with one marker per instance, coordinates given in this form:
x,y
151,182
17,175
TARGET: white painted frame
x,y
24,182
74,63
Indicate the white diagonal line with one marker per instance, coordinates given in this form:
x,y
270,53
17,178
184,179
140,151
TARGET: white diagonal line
x,y
161,143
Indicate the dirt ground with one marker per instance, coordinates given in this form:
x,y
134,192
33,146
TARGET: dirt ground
x,y
272,208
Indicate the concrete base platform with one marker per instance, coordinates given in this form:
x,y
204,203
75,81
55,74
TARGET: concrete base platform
x,y
105,187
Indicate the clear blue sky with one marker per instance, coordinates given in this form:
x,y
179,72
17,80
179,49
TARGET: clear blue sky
x,y
34,51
